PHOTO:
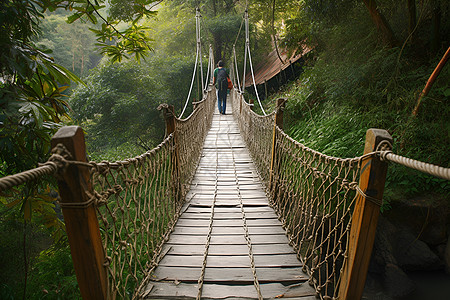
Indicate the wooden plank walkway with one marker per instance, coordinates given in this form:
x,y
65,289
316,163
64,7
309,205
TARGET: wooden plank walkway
x,y
226,193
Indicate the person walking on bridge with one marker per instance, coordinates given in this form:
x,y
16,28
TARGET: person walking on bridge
x,y
220,80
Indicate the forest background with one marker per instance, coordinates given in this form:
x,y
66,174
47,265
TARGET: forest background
x,y
368,64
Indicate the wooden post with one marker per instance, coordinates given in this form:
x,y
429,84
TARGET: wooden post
x,y
80,217
169,117
265,88
252,103
240,101
365,218
281,103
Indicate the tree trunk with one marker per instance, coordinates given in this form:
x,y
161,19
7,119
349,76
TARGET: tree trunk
x,y
431,80
436,19
382,25
217,47
411,18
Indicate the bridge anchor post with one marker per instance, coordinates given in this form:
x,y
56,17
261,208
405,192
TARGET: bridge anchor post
x,y
365,218
273,186
80,217
170,119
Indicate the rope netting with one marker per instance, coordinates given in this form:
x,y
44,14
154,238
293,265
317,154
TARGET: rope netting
x,y
257,131
313,194
137,200
142,199
137,203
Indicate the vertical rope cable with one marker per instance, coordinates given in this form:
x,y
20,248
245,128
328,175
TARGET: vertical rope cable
x,y
199,45
247,42
247,46
197,25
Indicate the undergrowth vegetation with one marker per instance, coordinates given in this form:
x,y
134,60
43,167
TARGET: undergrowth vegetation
x,y
352,83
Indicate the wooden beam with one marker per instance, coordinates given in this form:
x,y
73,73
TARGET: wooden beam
x,y
281,103
80,217
365,218
170,118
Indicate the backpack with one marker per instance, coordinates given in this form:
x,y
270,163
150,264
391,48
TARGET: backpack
x,y
222,82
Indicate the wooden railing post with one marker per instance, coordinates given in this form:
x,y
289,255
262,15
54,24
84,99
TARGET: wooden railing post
x,y
365,218
240,102
281,103
252,103
80,217
169,117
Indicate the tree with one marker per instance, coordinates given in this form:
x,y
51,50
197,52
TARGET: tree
x,y
222,20
32,100
119,105
381,23
72,45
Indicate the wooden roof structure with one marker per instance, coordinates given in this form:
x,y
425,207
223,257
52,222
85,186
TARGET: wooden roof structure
x,y
272,65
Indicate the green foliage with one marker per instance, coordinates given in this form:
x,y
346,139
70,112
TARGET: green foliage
x,y
118,104
72,45
53,276
16,240
351,83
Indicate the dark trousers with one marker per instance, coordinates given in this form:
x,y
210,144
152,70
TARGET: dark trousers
x,y
222,100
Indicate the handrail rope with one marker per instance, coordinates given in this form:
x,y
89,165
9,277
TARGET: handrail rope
x,y
239,32
10,181
192,84
428,168
195,65
245,55
209,69
247,45
199,45
237,69
59,162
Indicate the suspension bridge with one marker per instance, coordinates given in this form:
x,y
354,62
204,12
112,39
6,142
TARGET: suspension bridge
x,y
226,207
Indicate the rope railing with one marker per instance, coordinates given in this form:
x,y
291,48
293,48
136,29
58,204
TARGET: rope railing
x,y
430,169
127,208
315,197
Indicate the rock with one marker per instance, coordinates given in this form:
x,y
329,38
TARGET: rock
x,y
413,254
374,289
447,257
427,216
382,252
396,282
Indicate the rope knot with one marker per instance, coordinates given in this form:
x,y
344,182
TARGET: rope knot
x,y
383,149
60,159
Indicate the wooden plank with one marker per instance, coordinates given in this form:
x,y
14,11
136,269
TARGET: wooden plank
x,y
228,223
183,239
244,194
261,209
232,261
234,275
230,215
229,250
236,203
225,230
170,290
201,240
224,189
160,290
